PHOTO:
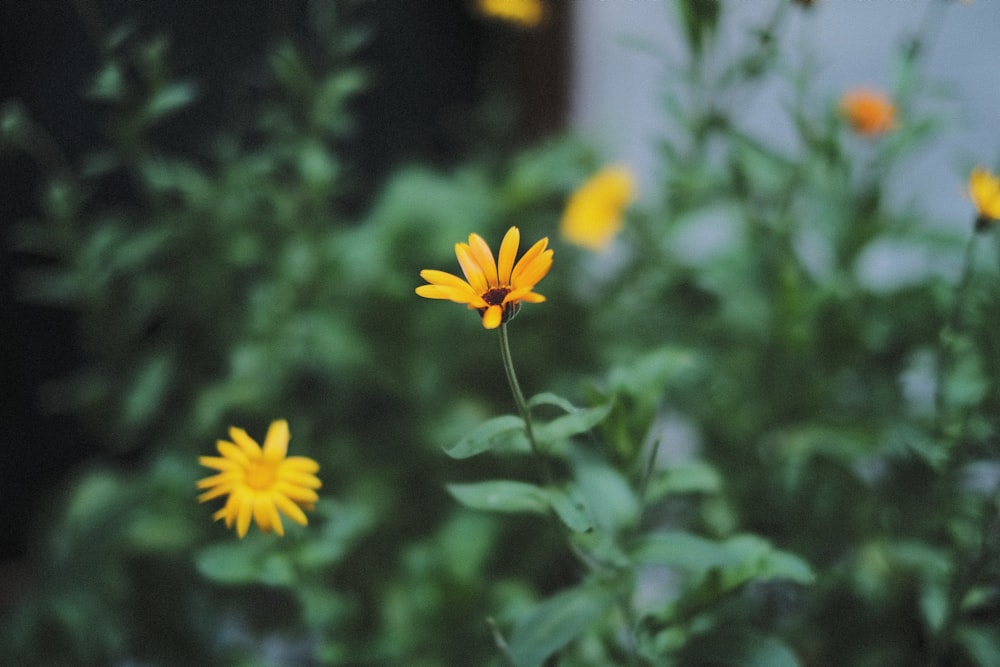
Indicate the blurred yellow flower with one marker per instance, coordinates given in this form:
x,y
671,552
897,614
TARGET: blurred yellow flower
x,y
259,482
870,112
595,212
984,190
495,289
525,13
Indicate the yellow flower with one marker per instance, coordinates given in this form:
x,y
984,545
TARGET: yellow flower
x,y
259,482
984,190
869,112
525,13
495,289
594,212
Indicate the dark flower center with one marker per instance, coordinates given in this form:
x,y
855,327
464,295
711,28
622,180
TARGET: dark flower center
x,y
495,296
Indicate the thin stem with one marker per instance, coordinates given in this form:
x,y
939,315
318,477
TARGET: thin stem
x,y
522,405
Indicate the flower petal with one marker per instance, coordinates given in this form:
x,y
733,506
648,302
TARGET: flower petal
x,y
474,273
276,442
458,295
484,256
291,510
245,442
301,464
218,463
532,268
508,251
492,317
233,453
295,492
244,513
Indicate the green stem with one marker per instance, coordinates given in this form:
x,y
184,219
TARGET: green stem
x,y
522,405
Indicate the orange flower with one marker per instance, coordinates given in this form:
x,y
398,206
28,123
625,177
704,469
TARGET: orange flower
x,y
869,112
495,289
594,213
984,191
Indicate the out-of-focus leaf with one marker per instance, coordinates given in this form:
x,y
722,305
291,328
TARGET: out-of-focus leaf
x,y
574,423
245,561
682,549
693,477
757,560
572,513
501,496
746,649
982,643
555,622
740,559
148,388
610,501
170,99
497,432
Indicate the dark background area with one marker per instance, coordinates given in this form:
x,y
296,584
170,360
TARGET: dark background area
x,y
430,64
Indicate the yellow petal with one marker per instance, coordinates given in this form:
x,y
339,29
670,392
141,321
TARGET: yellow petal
x,y
508,251
300,479
245,442
214,493
218,463
243,514
295,492
227,478
471,268
301,464
291,510
530,270
276,442
484,257
492,317
451,294
233,453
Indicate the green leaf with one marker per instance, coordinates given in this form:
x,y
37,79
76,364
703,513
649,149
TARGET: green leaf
x,y
556,622
741,559
170,99
548,398
574,423
570,512
982,643
497,432
610,501
501,496
759,560
682,549
243,562
688,478
746,649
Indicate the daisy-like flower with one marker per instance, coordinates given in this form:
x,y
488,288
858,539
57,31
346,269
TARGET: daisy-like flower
x,y
870,112
259,482
984,191
595,211
494,288
524,13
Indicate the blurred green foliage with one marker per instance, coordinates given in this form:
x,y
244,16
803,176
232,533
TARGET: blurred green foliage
x,y
768,456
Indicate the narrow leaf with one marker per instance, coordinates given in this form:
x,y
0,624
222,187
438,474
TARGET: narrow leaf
x,y
572,424
501,496
506,432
